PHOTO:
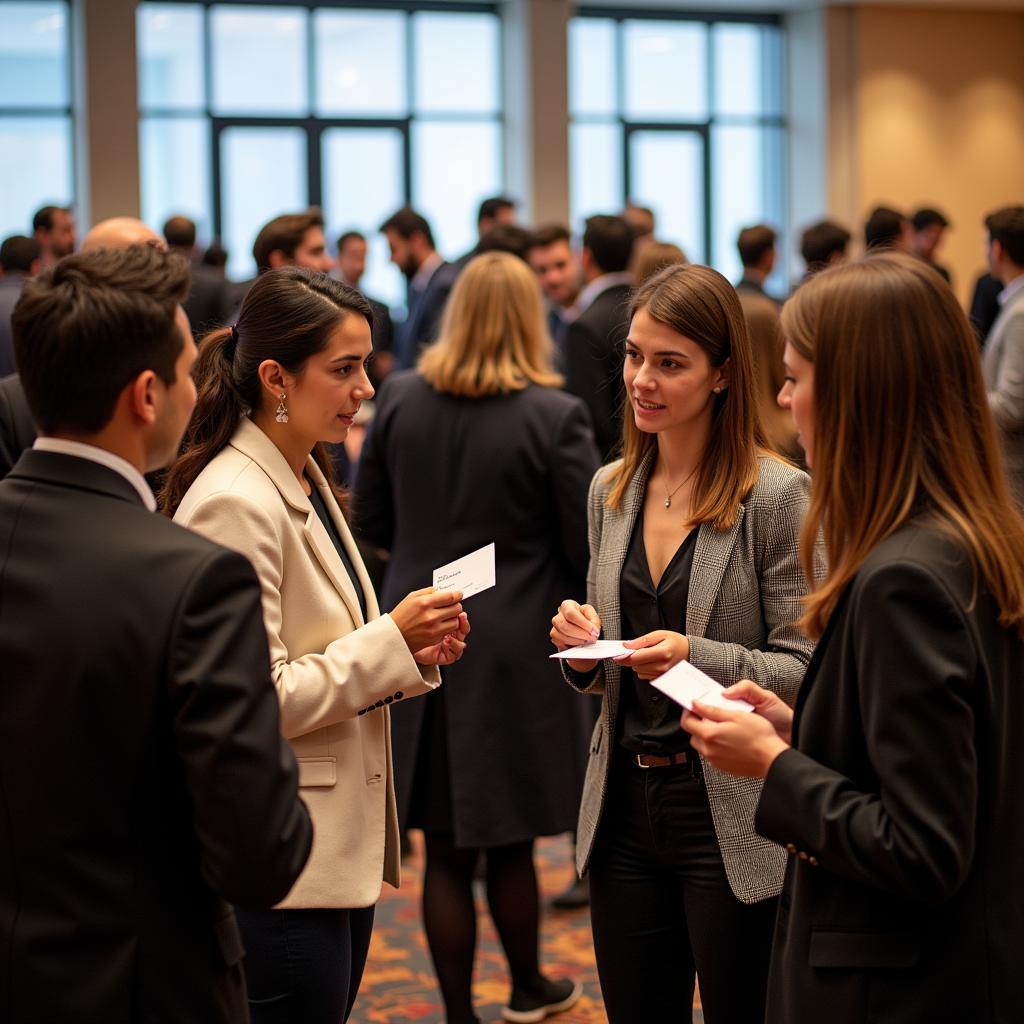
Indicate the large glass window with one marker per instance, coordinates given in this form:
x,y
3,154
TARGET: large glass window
x,y
35,112
681,114
250,110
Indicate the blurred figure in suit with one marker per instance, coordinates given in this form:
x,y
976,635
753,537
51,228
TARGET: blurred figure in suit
x,y
429,280
20,260
207,302
593,344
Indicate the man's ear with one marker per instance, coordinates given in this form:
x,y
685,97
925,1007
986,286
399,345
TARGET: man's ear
x,y
276,258
143,398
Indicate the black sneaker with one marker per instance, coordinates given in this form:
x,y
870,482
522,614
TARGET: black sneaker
x,y
575,896
551,998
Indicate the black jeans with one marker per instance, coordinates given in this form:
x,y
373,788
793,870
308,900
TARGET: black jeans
x,y
662,910
304,965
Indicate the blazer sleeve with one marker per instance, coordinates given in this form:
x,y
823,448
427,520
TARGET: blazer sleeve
x,y
254,833
913,835
1006,399
780,667
371,663
574,461
591,682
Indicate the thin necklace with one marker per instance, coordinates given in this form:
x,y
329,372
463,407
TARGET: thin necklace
x,y
668,494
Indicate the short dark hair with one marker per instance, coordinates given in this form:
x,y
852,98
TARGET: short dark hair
x,y
406,222
513,238
927,217
754,242
86,329
215,255
883,226
610,241
350,236
1006,226
18,253
548,234
284,233
492,206
43,219
180,232
819,242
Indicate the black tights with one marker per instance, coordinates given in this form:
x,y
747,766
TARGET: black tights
x,y
449,916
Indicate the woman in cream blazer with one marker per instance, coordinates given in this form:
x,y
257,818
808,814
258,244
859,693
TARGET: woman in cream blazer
x,y
256,483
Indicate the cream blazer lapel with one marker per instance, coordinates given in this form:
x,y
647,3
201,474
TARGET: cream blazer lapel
x,y
251,441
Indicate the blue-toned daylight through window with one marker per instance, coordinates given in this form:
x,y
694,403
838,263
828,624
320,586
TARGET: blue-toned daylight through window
x,y
36,165
252,110
683,114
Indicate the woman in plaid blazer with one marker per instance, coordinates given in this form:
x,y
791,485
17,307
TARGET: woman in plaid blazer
x,y
694,555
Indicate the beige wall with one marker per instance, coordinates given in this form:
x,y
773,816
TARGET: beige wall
x,y
927,107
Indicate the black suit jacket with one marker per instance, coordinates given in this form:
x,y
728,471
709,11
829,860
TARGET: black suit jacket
x,y
143,778
424,320
900,804
17,429
209,300
593,356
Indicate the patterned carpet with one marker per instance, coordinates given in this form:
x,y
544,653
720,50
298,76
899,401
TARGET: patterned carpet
x,y
399,984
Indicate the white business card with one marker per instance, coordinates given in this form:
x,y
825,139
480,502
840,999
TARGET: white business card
x,y
596,651
471,574
685,684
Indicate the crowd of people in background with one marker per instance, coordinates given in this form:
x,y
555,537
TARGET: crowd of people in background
x,y
699,467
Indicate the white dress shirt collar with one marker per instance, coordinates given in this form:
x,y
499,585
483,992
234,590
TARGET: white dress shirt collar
x,y
427,270
599,285
1011,290
104,458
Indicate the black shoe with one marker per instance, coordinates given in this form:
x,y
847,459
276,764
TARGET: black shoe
x,y
576,896
551,998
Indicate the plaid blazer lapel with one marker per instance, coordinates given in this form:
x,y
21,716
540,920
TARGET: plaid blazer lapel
x,y
710,560
617,530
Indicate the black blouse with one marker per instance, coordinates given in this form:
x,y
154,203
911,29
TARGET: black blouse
x,y
648,721
317,501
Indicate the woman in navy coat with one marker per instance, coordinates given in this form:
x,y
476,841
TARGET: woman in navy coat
x,y
479,445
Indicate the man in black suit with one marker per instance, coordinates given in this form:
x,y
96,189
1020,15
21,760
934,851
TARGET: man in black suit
x,y
429,277
887,228
929,227
352,249
207,304
593,343
756,247
17,430
143,778
20,259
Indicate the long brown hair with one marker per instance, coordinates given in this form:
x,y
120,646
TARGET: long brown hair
x,y
287,316
902,427
493,336
700,304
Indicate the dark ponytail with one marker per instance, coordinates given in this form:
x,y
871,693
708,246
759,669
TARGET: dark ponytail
x,y
287,316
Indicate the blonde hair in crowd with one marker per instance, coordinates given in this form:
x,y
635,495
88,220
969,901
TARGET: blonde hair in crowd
x,y
700,304
901,428
494,339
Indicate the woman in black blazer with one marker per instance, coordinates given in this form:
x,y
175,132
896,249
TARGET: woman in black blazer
x,y
477,446
895,787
